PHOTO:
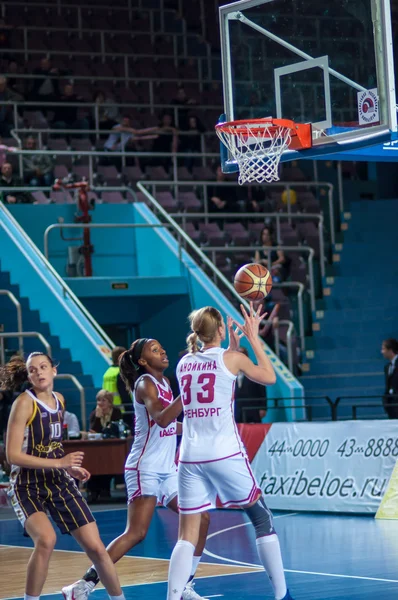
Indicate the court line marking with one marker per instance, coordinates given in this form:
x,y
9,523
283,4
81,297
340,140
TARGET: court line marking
x,y
257,570
212,564
238,562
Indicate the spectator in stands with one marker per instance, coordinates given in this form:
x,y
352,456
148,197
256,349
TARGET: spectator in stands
x,y
167,141
108,116
7,122
222,199
37,168
8,179
191,140
72,422
4,150
249,397
389,350
46,86
125,135
278,262
5,41
13,82
99,485
267,329
70,117
182,99
104,412
6,399
113,382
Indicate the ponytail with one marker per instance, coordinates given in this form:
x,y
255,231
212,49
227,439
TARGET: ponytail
x,y
130,369
192,343
14,374
205,323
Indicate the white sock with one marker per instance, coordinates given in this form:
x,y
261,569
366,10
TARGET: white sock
x,y
269,551
27,597
179,569
121,597
195,562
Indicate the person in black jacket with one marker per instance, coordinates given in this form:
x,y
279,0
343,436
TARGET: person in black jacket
x,y
389,350
9,180
249,394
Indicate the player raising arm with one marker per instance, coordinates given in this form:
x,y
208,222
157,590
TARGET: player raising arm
x,y
150,470
41,481
213,462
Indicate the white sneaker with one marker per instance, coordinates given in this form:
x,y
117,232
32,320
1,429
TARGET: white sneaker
x,y
80,590
189,593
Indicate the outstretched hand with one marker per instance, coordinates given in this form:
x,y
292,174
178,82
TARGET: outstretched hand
x,y
233,335
252,321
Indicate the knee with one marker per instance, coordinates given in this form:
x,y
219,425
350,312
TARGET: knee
x,y
136,535
45,544
96,551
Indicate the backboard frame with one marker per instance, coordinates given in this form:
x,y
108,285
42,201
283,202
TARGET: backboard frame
x,y
340,140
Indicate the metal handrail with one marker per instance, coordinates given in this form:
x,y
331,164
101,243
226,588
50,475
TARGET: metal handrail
x,y
82,393
67,292
331,404
27,334
17,305
354,407
199,252
285,185
177,184
307,407
181,234
98,226
125,153
289,333
300,293
311,253
260,216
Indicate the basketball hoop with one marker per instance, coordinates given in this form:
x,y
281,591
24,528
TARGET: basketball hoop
x,y
257,145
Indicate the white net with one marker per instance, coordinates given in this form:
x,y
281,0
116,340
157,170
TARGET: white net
x,y
256,148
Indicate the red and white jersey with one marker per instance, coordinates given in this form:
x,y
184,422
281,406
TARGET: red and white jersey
x,y
207,391
154,448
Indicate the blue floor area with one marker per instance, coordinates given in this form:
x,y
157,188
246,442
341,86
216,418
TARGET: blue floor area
x,y
325,556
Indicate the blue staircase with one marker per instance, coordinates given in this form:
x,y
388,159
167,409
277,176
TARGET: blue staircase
x,y
32,322
361,311
50,308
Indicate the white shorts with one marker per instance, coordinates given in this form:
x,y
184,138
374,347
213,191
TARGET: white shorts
x,y
142,483
231,480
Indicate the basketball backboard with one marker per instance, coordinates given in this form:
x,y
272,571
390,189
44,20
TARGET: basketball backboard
x,y
324,62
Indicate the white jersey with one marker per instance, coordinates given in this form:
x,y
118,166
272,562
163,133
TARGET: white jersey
x,y
207,392
154,448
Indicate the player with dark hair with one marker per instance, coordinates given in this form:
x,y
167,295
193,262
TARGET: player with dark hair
x,y
150,470
42,477
213,462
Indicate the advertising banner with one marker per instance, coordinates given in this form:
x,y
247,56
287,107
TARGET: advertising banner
x,y
342,466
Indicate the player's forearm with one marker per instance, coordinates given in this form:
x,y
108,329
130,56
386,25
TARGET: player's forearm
x,y
170,413
263,362
27,461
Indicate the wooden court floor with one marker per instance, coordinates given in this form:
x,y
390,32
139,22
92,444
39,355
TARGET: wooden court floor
x,y
325,556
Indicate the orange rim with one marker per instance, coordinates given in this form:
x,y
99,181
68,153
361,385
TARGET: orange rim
x,y
301,132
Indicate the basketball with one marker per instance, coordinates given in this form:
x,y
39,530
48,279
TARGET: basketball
x,y
253,282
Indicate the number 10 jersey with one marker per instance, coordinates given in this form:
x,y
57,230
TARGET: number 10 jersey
x,y
207,391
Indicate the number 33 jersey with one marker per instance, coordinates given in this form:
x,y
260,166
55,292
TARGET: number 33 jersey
x,y
207,391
